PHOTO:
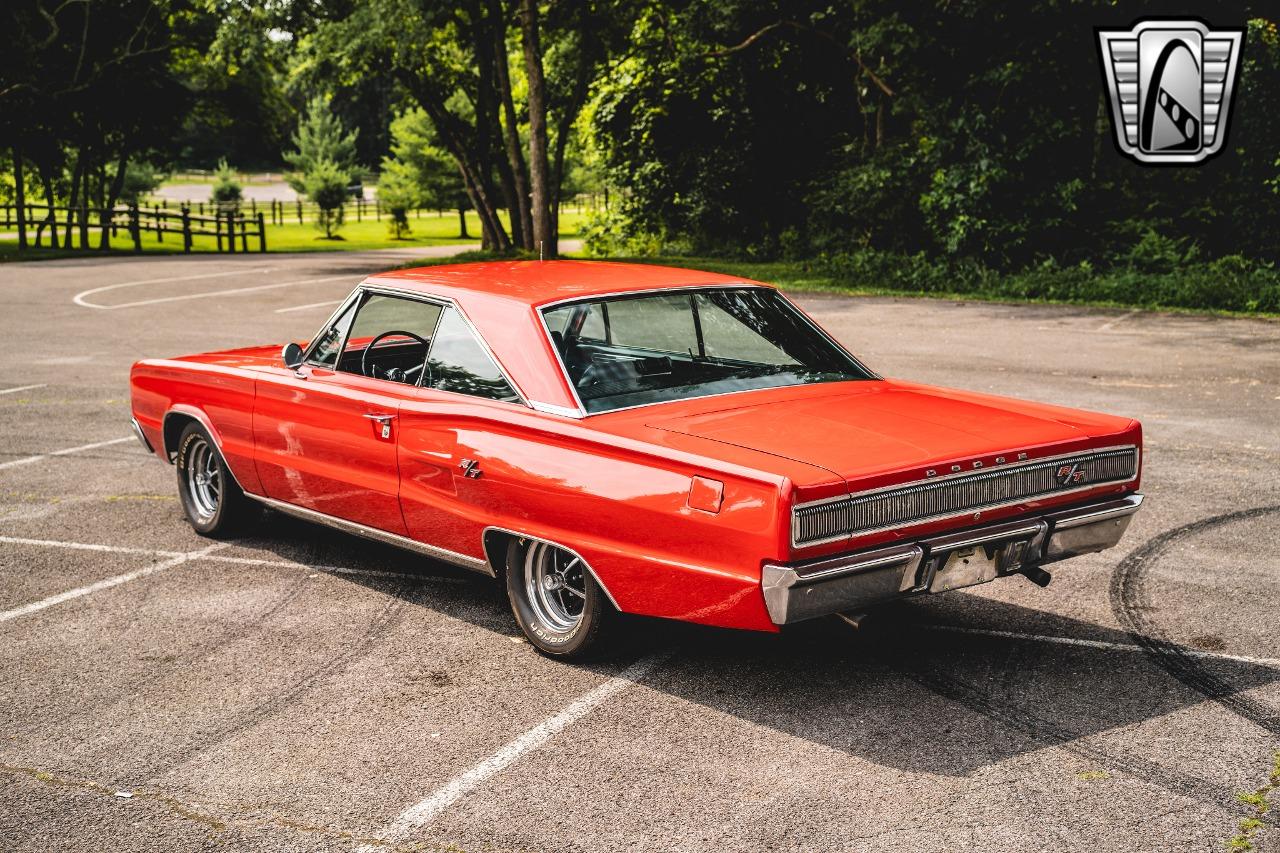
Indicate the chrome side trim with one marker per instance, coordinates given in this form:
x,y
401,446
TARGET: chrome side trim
x,y
483,544
375,534
140,435
562,411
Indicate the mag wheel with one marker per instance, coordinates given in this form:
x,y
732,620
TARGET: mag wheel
x,y
555,598
214,504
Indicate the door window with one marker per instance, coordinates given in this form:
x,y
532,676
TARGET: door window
x,y
390,338
460,363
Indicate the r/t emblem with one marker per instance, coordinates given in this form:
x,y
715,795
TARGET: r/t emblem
x,y
470,468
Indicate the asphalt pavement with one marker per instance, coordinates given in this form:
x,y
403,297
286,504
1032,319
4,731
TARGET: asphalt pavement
x,y
303,690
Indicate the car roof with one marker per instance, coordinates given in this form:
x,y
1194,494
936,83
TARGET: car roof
x,y
537,283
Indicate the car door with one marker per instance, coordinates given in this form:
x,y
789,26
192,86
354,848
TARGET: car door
x,y
452,432
326,434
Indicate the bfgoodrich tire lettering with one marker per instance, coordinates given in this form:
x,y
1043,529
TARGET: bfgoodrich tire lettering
x,y
555,599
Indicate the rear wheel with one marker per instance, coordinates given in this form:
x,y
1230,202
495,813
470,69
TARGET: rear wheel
x,y
555,599
213,502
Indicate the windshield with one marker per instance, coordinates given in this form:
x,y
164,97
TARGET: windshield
x,y
633,350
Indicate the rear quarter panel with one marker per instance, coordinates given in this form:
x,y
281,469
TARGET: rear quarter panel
x,y
218,395
624,507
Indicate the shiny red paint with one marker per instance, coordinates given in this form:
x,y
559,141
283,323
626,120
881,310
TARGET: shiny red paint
x,y
632,491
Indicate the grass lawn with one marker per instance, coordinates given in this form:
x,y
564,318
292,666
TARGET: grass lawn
x,y
429,230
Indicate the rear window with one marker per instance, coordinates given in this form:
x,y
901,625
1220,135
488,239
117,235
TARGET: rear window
x,y
633,350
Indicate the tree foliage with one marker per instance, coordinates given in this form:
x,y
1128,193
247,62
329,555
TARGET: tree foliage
x,y
320,137
964,129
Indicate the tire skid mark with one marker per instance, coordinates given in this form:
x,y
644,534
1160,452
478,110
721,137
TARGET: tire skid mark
x,y
1049,733
392,611
167,666
1130,602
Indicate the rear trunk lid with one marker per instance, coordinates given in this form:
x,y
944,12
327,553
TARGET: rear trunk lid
x,y
873,434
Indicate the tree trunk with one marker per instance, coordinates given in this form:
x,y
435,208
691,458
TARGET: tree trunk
x,y
77,177
462,224
20,195
452,134
46,177
511,131
109,205
488,124
544,236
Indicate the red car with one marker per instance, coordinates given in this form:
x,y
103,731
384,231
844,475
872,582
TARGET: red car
x,y
627,438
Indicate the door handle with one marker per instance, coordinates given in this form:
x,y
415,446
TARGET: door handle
x,y
384,421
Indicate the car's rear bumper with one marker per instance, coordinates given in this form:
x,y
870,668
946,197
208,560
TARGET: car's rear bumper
x,y
799,591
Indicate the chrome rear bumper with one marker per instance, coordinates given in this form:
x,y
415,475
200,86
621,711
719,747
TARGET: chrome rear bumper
x,y
799,591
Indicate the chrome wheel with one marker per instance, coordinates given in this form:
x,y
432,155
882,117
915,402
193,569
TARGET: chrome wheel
x,y
204,479
555,585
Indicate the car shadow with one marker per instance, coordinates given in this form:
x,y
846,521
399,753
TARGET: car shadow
x,y
906,690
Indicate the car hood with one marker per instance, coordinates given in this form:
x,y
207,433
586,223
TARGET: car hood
x,y
880,432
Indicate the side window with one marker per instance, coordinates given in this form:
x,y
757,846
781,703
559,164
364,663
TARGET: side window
x,y
663,323
329,343
389,338
459,363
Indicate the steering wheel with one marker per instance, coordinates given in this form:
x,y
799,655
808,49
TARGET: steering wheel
x,y
370,370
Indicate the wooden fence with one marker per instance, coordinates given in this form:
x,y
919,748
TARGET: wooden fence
x,y
64,226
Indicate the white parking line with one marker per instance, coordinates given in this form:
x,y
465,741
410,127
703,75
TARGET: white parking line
x,y
27,460
325,304
1095,644
23,388
79,298
204,294
447,794
221,558
107,583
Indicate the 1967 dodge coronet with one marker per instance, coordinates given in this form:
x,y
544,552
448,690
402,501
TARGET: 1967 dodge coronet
x,y
613,438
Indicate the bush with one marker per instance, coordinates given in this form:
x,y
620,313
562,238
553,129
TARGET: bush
x,y
326,185
226,188
140,180
1231,283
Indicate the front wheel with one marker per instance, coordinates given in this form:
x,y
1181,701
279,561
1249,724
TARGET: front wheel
x,y
212,500
555,599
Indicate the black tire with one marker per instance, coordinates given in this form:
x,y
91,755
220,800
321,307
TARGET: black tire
x,y
212,500
596,623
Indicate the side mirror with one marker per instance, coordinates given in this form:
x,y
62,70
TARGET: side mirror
x,y
292,355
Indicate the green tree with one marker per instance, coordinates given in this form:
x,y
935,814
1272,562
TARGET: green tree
x,y
418,161
398,193
326,185
320,137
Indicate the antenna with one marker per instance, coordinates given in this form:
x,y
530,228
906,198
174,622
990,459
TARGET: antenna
x,y
539,250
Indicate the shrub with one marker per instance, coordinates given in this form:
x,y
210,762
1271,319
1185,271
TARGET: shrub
x,y
1231,283
326,185
226,188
